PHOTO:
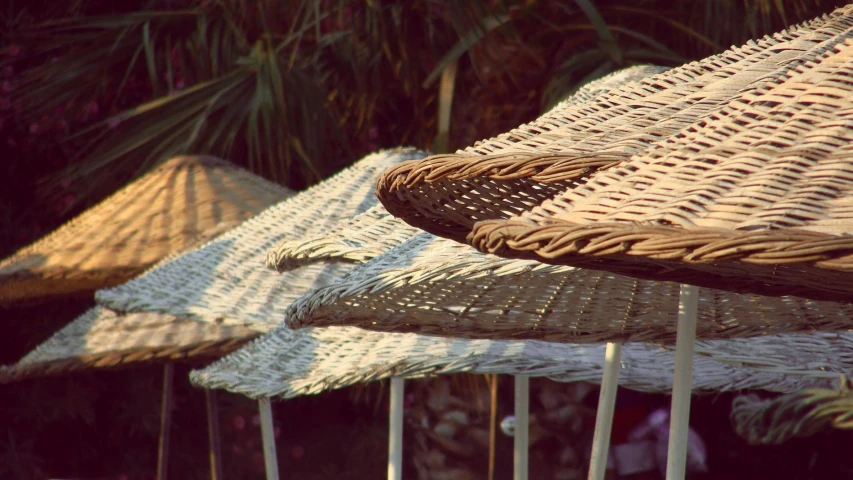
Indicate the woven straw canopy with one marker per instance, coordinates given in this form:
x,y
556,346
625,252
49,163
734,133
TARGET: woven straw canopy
x,y
755,198
182,202
223,281
436,286
286,364
207,302
101,338
514,172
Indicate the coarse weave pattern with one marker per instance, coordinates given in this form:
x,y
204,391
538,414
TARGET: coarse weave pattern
x,y
516,171
439,287
757,197
225,282
101,338
179,204
283,365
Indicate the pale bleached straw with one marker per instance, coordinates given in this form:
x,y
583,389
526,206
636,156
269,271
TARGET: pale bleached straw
x,y
439,287
101,338
182,202
225,282
285,364
516,171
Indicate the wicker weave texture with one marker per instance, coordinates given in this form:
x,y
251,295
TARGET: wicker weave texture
x,y
288,363
757,197
281,365
516,171
358,240
101,338
177,205
439,287
224,281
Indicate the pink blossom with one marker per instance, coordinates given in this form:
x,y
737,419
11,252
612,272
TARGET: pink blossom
x,y
256,420
258,459
179,84
62,124
236,449
34,128
54,59
92,108
373,133
123,476
7,86
297,451
64,184
239,422
13,50
276,432
113,122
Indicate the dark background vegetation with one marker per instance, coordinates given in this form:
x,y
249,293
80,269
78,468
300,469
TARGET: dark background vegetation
x,y
95,93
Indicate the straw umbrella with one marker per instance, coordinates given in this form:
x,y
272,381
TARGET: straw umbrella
x,y
440,287
412,282
184,201
220,284
786,238
181,203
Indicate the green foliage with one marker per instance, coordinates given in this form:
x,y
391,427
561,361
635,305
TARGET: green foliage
x,y
296,90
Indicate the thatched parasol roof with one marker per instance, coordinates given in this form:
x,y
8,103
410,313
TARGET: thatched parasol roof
x,y
101,338
179,204
516,171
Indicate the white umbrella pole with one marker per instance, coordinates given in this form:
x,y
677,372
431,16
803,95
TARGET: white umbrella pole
x,y
395,430
522,427
165,422
270,459
682,383
604,415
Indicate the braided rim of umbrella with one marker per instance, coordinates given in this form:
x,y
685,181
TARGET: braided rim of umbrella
x,y
800,414
515,171
751,199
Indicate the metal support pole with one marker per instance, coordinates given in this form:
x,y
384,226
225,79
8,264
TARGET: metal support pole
x,y
395,430
682,384
268,435
604,415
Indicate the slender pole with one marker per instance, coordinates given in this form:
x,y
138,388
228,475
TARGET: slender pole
x,y
493,427
213,440
165,422
522,427
604,415
395,430
268,435
682,384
